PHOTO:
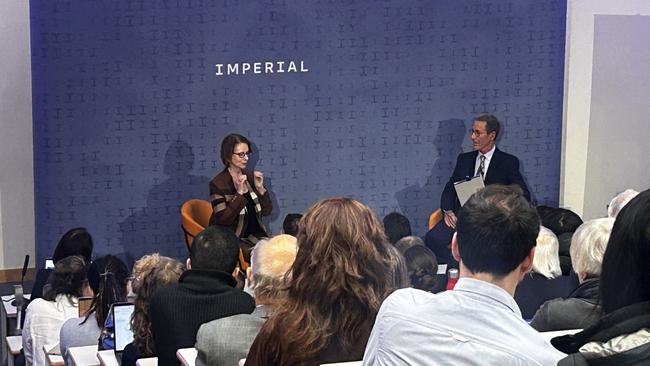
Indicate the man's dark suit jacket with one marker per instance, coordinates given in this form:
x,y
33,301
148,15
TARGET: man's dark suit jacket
x,y
503,169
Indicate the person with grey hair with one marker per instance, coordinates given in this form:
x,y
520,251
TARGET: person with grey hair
x,y
407,242
619,201
545,281
580,309
227,340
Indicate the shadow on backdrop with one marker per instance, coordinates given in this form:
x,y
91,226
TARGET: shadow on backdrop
x,y
417,202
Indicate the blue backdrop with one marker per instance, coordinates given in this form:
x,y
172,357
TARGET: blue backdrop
x,y
130,105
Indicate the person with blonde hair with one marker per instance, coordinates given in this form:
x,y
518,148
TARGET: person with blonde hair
x,y
149,273
545,281
227,340
342,273
580,309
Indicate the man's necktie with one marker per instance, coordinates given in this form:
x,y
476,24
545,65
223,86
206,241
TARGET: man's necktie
x,y
481,167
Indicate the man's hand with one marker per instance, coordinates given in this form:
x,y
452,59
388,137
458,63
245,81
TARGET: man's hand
x,y
450,219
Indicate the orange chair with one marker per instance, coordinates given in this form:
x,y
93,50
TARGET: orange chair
x,y
435,218
195,216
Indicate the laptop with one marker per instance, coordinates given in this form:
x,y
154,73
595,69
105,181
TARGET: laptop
x,y
122,322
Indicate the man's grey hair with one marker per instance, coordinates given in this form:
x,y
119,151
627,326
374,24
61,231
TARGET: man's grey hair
x,y
547,254
619,201
588,245
270,262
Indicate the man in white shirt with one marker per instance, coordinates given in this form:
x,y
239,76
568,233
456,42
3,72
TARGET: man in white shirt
x,y
477,323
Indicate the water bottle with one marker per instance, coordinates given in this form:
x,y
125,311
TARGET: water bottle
x,y
452,278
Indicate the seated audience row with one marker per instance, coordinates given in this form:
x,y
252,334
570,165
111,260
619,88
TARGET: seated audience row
x,y
580,308
330,289
621,336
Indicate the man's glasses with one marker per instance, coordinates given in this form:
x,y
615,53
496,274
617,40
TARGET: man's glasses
x,y
476,132
243,154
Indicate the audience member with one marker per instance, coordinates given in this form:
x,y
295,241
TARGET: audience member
x,y
225,341
407,242
46,315
207,291
580,309
478,322
559,220
621,336
422,267
399,271
75,241
545,281
290,224
107,279
149,273
619,201
396,226
337,283
562,223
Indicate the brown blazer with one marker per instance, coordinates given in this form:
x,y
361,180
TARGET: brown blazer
x,y
229,207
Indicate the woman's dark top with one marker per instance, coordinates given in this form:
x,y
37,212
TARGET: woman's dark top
x,y
535,289
131,354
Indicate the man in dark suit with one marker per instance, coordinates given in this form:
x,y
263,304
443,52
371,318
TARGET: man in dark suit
x,y
494,165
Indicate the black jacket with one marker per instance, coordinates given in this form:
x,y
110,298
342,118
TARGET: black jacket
x,y
579,310
624,321
177,311
503,169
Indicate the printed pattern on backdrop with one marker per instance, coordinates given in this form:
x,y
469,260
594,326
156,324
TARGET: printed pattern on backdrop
x,y
369,99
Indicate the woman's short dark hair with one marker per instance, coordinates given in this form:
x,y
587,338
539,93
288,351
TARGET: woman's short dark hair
x,y
75,241
396,226
422,267
559,220
626,263
107,277
67,278
228,146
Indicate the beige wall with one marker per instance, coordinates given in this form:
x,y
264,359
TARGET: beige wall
x,y
577,107
16,147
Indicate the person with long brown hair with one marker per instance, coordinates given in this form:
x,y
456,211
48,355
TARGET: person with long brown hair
x,y
342,273
149,273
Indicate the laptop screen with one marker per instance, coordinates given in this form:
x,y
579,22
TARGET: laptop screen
x,y
121,319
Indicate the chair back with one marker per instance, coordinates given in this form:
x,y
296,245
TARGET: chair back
x,y
195,216
435,218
